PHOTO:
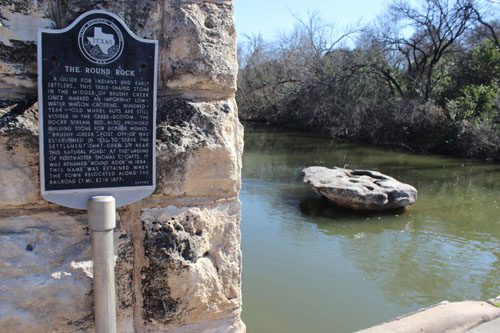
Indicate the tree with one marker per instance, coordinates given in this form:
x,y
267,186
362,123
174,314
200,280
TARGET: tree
x,y
417,40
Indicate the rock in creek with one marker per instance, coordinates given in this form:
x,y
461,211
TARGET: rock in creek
x,y
360,189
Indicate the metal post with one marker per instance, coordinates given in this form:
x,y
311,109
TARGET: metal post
x,y
102,221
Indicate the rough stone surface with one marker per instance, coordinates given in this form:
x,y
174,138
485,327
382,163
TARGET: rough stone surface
x,y
454,317
47,272
19,155
360,189
178,259
194,260
199,153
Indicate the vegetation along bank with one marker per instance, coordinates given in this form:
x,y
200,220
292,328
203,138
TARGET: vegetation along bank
x,y
422,77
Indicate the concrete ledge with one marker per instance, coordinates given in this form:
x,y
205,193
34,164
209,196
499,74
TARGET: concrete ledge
x,y
488,327
450,317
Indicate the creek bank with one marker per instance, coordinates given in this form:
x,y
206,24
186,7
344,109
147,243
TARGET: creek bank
x,y
462,143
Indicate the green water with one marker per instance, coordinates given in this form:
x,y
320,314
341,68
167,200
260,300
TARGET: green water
x,y
308,267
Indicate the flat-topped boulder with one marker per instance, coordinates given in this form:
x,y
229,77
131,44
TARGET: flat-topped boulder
x,y
360,189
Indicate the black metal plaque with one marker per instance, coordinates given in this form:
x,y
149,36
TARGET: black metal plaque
x,y
97,102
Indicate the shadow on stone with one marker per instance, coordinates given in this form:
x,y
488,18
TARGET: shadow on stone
x,y
319,206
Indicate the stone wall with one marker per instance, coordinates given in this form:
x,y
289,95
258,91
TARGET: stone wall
x,y
178,259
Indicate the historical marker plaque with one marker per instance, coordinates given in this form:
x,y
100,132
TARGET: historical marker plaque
x,y
97,102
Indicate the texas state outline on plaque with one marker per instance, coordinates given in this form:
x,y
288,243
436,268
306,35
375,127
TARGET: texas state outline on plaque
x,y
103,40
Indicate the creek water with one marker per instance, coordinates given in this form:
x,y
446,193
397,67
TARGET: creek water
x,y
310,267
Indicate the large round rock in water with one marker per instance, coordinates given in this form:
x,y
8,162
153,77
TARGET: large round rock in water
x,y
360,189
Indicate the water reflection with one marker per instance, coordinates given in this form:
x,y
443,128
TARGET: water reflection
x,y
306,259
318,206
416,266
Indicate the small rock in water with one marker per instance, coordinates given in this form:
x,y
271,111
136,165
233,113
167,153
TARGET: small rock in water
x,y
359,235
360,189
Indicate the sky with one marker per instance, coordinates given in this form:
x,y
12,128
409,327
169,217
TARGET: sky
x,y
269,17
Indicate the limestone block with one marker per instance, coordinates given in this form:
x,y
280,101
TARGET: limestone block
x,y
199,149
198,49
45,283
194,269
197,42
19,21
46,279
364,190
19,172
